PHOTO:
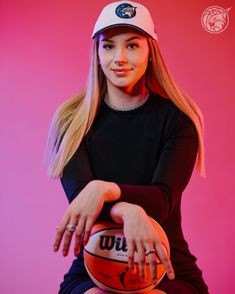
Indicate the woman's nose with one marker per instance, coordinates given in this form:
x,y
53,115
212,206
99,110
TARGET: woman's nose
x,y
120,56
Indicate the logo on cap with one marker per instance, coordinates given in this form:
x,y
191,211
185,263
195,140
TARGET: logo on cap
x,y
125,10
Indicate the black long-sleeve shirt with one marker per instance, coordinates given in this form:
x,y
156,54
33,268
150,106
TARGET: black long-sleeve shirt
x,y
150,153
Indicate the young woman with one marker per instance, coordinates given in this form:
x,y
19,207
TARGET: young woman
x,y
124,149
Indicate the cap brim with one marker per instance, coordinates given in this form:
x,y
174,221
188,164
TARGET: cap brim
x,y
120,25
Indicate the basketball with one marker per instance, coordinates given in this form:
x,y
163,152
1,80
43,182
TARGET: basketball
x,y
105,258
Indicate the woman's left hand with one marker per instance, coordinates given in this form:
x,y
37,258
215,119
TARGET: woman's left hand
x,y
82,213
141,237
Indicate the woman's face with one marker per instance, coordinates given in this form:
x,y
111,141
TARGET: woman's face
x,y
123,55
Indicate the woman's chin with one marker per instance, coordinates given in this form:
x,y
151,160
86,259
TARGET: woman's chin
x,y
121,83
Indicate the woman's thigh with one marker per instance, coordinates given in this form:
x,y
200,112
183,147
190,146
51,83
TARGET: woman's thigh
x,y
176,287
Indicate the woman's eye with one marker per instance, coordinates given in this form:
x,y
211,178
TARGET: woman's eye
x,y
108,46
132,46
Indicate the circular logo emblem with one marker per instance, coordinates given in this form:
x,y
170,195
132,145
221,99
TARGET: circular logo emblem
x,y
125,10
215,19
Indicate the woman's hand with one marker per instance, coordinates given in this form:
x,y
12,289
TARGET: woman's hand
x,y
141,237
82,213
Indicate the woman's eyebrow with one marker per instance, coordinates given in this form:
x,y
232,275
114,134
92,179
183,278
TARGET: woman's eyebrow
x,y
132,38
107,40
128,40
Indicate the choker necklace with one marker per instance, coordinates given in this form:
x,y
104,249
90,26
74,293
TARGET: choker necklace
x,y
128,108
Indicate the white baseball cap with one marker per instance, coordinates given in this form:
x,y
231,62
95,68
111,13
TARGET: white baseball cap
x,y
125,13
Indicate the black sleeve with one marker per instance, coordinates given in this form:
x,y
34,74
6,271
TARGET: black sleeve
x,y
77,173
172,173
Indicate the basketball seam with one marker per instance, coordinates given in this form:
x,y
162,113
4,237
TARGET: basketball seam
x,y
107,229
121,261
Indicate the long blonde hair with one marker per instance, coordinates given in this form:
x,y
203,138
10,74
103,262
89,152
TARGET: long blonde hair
x,y
74,117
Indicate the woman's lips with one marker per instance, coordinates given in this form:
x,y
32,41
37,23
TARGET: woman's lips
x,y
121,71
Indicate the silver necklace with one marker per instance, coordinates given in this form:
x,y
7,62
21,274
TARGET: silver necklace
x,y
119,108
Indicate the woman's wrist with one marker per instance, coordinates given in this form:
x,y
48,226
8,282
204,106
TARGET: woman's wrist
x,y
123,210
109,191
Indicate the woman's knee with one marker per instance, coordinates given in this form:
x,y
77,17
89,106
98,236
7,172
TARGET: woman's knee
x,y
96,290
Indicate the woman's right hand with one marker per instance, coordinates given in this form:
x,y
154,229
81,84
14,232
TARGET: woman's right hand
x,y
141,237
82,213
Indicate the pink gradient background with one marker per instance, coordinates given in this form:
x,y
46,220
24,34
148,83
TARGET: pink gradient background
x,y
44,54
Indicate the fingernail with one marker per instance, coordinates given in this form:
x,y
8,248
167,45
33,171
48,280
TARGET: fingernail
x,y
171,276
76,252
55,247
65,253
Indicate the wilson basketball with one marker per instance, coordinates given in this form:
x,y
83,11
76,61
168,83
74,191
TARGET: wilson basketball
x,y
105,258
